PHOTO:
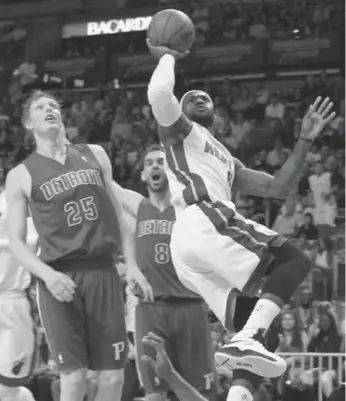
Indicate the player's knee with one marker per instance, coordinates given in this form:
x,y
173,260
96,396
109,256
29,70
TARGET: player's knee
x,y
73,382
299,259
111,378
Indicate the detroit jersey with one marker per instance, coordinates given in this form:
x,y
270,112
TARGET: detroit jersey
x,y
13,277
153,235
71,210
199,169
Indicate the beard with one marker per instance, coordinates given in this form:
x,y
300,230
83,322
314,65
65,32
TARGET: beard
x,y
206,120
158,188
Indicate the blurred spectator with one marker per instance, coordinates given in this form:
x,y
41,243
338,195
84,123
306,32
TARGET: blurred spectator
x,y
324,264
292,337
259,162
275,108
327,339
337,179
305,311
258,30
314,155
308,230
216,336
289,219
240,127
278,155
321,188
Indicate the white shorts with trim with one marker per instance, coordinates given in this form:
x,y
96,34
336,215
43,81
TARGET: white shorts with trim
x,y
216,250
17,339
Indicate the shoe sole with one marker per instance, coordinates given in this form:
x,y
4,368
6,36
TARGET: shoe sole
x,y
252,363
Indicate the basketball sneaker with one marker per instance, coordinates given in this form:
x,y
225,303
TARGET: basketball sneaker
x,y
246,351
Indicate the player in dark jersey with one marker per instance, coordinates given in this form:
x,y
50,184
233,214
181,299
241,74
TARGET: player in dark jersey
x,y
176,313
69,192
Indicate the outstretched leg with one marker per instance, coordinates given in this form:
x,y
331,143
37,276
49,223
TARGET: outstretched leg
x,y
246,350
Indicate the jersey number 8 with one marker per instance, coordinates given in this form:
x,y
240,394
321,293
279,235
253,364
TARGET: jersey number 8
x,y
162,253
78,211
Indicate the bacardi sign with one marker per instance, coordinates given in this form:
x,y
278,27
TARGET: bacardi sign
x,y
114,26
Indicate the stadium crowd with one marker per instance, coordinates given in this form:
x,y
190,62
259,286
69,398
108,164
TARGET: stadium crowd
x,y
258,122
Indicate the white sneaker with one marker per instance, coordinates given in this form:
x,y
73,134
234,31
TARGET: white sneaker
x,y
246,351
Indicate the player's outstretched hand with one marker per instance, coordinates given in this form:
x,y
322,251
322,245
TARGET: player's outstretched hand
x,y
162,365
317,117
138,284
61,286
159,51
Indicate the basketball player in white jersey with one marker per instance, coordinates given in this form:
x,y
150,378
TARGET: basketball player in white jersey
x,y
17,332
215,250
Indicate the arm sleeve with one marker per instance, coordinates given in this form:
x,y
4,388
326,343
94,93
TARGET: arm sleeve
x,y
165,105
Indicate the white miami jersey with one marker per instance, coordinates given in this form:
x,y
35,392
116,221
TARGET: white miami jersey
x,y
199,169
12,276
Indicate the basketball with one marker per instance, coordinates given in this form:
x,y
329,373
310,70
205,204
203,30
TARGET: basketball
x,y
172,29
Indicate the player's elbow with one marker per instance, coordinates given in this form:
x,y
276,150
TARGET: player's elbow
x,y
158,93
165,106
16,244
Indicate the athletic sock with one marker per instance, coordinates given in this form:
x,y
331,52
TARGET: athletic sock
x,y
263,315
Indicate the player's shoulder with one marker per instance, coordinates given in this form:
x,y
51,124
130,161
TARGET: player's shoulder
x,y
18,180
101,156
18,177
144,204
98,149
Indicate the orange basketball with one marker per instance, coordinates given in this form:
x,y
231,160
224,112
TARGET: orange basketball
x,y
173,29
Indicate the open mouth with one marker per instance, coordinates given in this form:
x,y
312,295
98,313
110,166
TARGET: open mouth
x,y
50,118
156,177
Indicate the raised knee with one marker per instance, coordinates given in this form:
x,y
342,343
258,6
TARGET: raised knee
x,y
111,378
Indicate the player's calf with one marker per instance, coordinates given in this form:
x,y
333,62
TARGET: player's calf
x,y
110,385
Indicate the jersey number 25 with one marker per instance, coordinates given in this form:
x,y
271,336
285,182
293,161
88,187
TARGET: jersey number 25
x,y
78,211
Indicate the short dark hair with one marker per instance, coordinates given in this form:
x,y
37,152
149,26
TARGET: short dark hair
x,y
152,148
33,97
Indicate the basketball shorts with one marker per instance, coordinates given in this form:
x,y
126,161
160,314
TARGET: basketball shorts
x,y
17,339
185,329
89,331
216,250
